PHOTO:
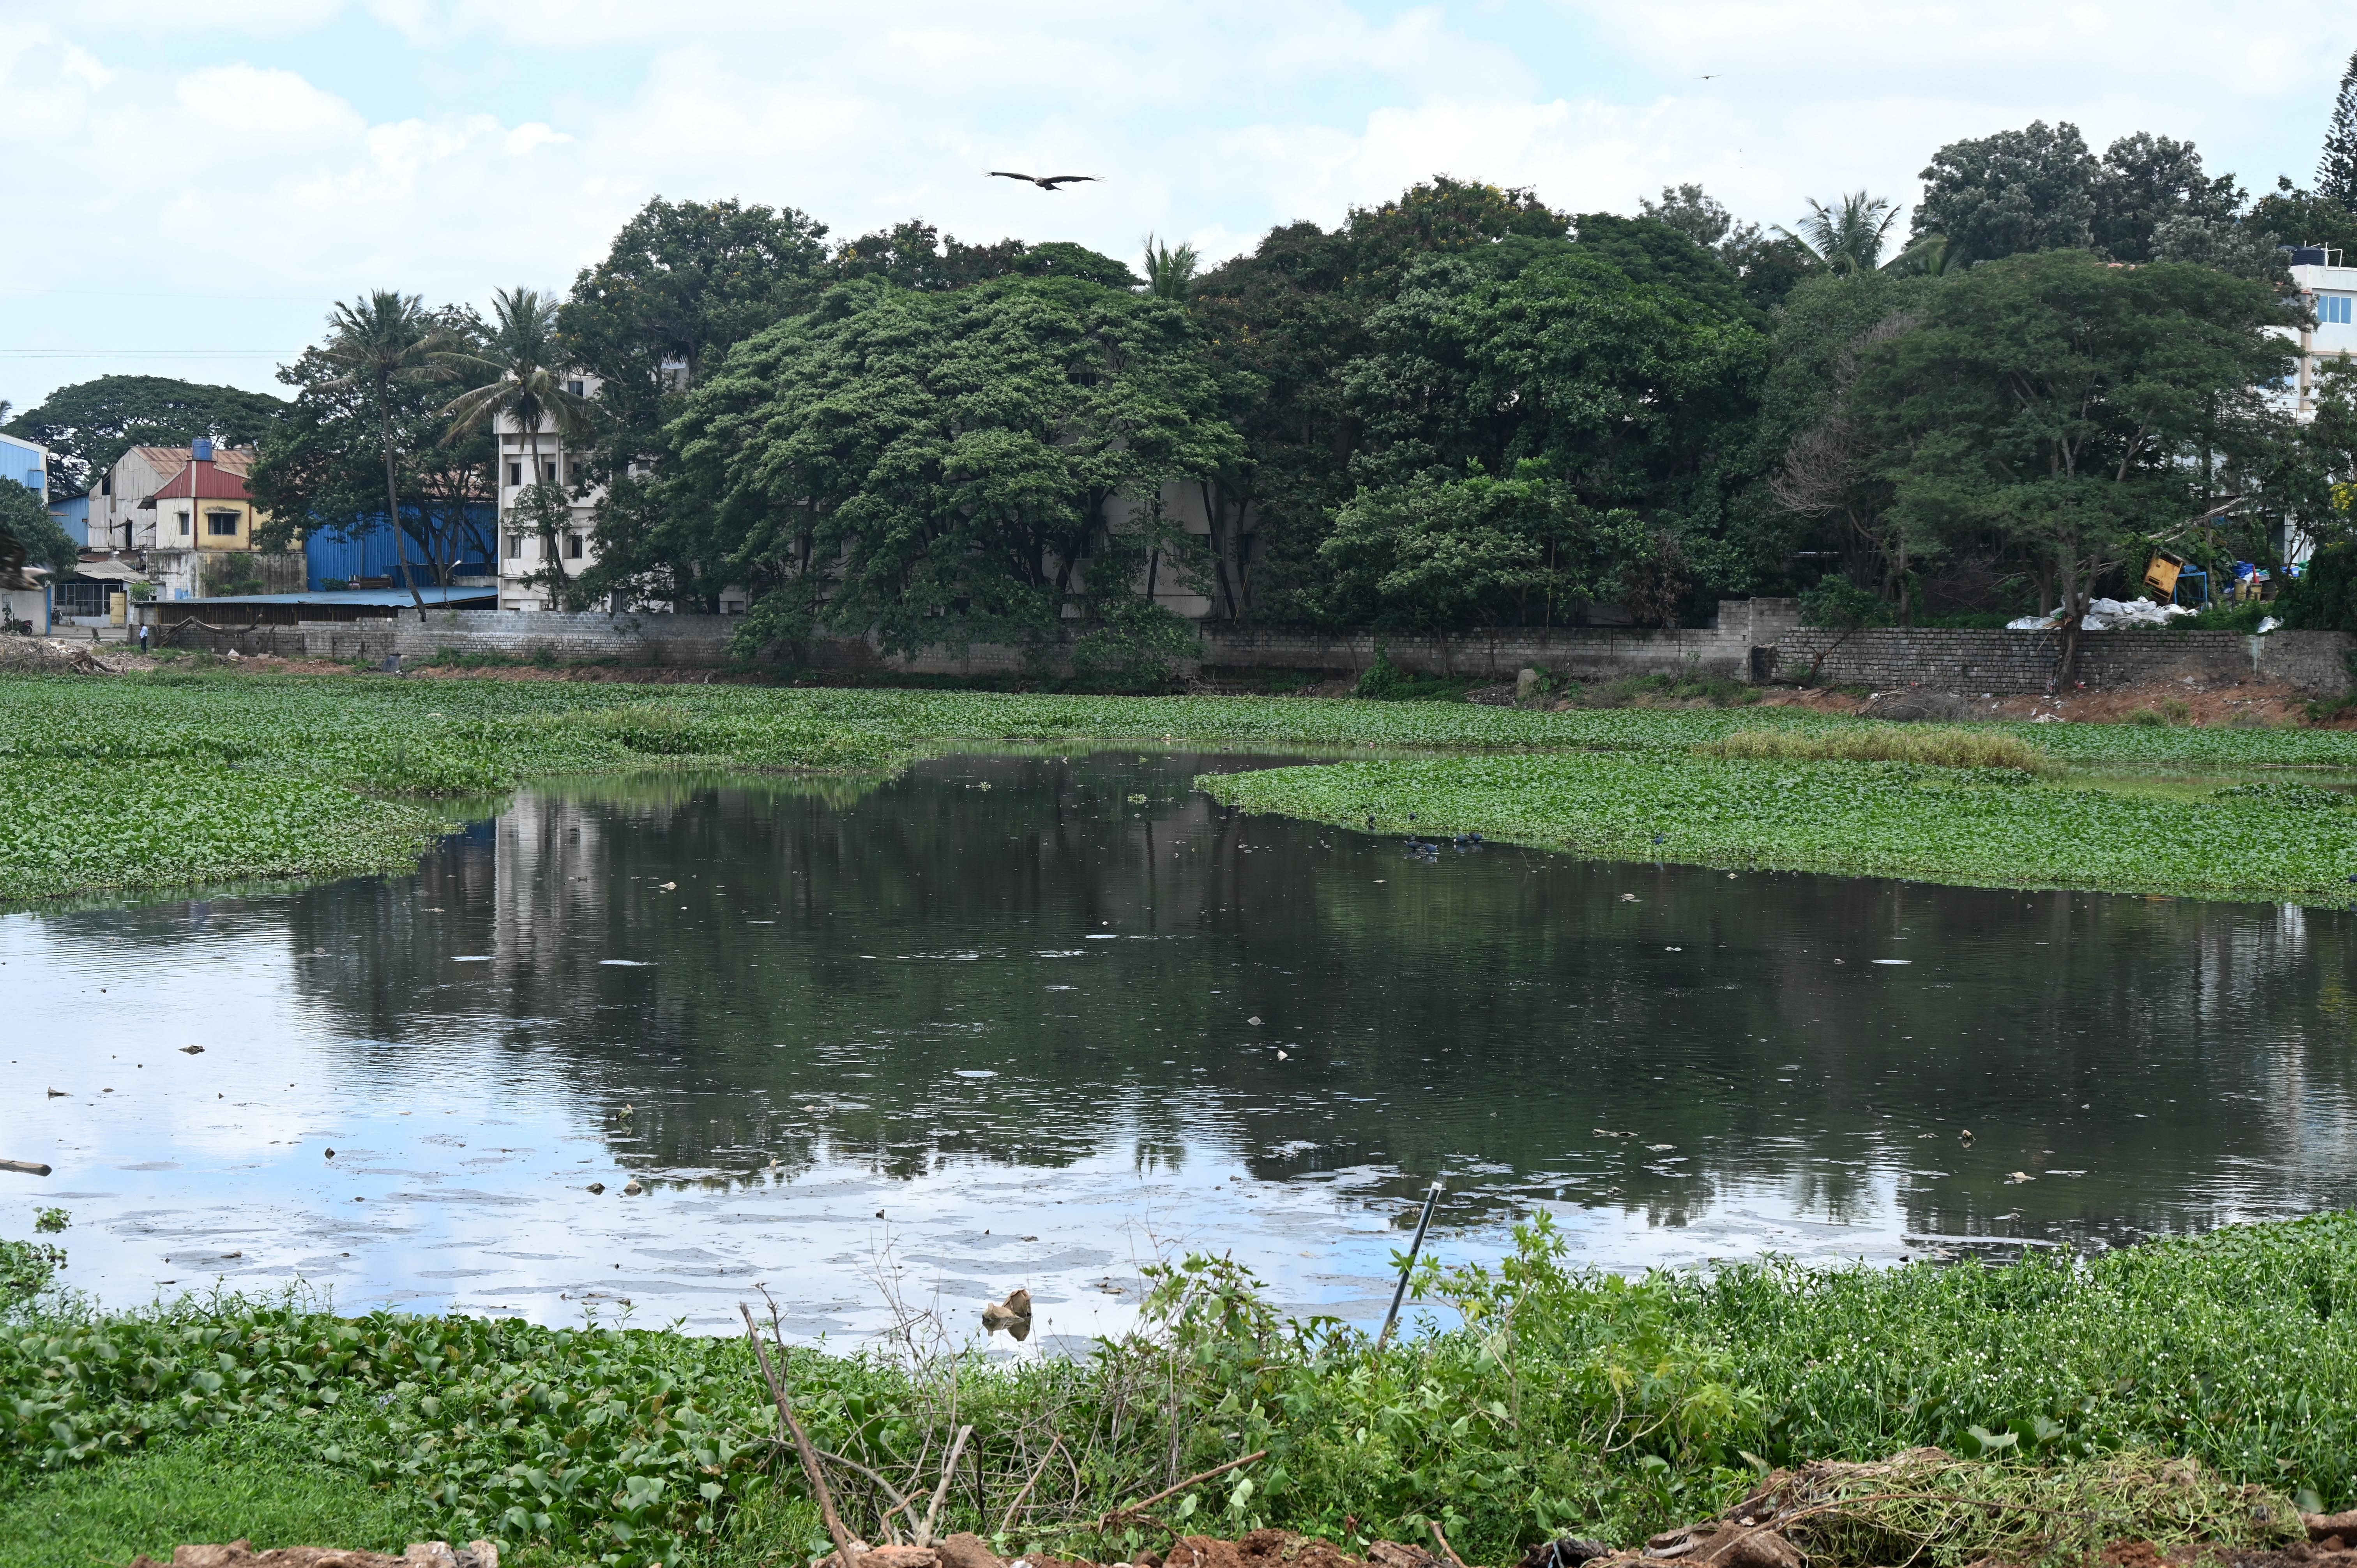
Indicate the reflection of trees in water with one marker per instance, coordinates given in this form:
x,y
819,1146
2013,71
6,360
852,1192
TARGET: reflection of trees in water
x,y
1483,1020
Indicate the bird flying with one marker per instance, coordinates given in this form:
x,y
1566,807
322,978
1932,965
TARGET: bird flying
x,y
1044,181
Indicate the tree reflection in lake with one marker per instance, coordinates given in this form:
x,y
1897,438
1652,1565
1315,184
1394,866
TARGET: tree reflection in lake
x,y
998,984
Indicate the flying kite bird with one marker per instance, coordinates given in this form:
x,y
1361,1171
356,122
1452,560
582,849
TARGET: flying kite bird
x,y
1044,181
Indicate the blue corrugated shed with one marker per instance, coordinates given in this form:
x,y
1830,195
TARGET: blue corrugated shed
x,y
73,516
367,551
23,462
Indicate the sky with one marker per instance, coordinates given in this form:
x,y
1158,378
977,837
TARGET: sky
x,y
192,185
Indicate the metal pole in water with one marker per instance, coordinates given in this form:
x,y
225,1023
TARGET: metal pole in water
x,y
1400,1292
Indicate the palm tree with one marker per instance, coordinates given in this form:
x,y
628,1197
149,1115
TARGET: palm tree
x,y
1170,273
1846,237
377,340
522,365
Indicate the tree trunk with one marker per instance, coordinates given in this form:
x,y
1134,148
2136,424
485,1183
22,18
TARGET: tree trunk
x,y
557,582
393,498
1227,570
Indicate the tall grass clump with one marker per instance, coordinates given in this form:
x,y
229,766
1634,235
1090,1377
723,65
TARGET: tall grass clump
x,y
1933,746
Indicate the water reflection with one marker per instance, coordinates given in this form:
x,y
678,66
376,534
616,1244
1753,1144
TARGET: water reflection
x,y
1022,1020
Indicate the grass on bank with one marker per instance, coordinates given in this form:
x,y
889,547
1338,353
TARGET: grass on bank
x,y
174,779
1569,1401
1931,747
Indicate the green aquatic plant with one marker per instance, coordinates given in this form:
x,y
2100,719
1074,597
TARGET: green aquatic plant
x,y
1556,1398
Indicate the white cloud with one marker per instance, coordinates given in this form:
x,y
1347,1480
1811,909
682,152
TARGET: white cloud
x,y
507,140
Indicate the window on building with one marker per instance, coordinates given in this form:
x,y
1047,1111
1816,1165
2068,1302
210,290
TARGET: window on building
x,y
515,546
184,525
516,473
221,524
573,545
573,386
2332,310
548,470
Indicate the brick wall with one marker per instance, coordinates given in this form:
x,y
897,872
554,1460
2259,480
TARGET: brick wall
x,y
2015,662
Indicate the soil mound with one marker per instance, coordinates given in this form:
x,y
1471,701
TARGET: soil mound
x,y
1914,704
50,656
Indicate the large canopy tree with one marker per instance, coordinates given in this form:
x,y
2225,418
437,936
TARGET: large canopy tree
x,y
945,468
2083,410
87,425
1282,324
1612,378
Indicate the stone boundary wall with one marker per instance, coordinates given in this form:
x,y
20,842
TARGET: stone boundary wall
x,y
1756,640
2017,661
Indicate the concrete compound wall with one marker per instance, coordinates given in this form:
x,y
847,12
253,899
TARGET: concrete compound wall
x,y
2014,661
1756,640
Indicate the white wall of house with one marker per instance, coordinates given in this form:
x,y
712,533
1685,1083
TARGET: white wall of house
x,y
522,550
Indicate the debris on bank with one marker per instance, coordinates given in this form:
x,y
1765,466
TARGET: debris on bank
x,y
241,1554
1922,1507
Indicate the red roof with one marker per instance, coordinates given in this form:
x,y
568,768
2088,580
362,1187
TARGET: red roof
x,y
207,482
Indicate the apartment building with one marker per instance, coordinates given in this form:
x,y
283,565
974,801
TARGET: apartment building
x,y
531,558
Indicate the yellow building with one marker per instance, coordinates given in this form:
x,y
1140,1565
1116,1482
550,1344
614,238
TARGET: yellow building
x,y
201,513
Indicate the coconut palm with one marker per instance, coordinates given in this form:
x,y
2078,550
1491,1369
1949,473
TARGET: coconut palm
x,y
1847,237
1170,271
521,365
376,340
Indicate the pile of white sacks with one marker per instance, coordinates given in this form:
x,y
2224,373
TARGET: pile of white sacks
x,y
2103,615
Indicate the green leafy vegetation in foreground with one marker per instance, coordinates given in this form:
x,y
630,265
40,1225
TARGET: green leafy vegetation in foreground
x,y
172,780
1988,826
1566,1399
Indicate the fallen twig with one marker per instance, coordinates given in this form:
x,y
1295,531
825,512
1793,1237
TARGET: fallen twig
x,y
801,1443
1037,1471
949,1468
900,1504
1447,1550
1173,1491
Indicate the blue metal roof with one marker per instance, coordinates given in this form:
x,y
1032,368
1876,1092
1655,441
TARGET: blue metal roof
x,y
358,596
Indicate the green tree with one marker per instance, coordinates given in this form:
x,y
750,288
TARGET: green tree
x,y
2290,216
378,341
1281,325
520,366
1826,471
1692,212
2031,189
1171,269
1847,237
320,469
28,533
682,284
1437,554
949,467
2146,184
2336,170
2075,407
87,425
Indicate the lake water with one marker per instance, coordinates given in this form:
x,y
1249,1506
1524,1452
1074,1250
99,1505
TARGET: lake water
x,y
1038,1019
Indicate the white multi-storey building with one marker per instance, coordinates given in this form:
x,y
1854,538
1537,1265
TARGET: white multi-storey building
x,y
2331,291
525,555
